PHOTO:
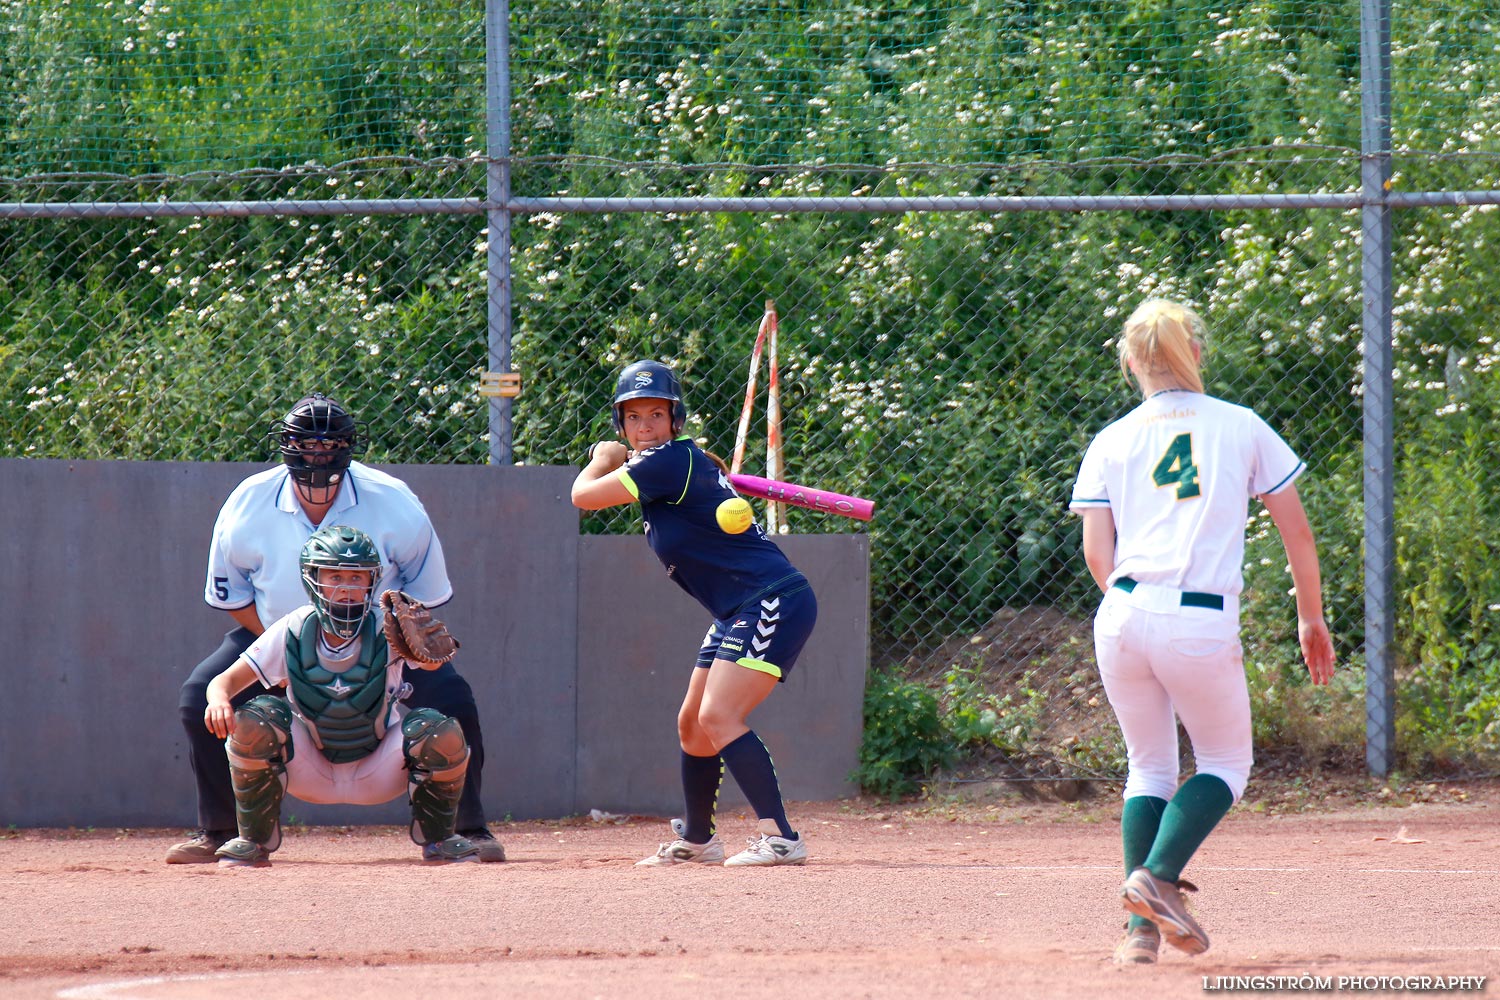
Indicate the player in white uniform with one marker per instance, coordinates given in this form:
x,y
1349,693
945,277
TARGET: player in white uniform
x,y
1164,494
341,733
253,574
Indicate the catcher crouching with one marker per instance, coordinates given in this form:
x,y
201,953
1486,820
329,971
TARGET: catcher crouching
x,y
341,733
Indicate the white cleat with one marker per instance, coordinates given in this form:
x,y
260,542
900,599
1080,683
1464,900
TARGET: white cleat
x,y
770,848
685,852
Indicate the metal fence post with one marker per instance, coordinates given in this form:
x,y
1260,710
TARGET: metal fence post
x,y
497,195
1379,411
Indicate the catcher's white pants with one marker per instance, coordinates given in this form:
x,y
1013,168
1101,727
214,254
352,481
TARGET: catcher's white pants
x,y
380,777
1157,658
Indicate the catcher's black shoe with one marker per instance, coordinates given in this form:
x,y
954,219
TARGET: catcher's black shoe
x,y
242,853
490,849
450,851
198,849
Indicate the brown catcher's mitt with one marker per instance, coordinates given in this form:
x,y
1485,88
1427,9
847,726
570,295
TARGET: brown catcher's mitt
x,y
413,633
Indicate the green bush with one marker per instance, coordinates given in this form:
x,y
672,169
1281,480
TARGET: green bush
x,y
975,716
1449,674
905,740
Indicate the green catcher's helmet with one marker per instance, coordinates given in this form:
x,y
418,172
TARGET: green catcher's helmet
x,y
340,547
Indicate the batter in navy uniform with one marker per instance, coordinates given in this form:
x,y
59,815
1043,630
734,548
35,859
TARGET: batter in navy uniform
x,y
763,611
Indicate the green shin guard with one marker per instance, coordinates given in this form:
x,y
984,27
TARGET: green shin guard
x,y
257,804
437,758
1139,822
258,750
1186,823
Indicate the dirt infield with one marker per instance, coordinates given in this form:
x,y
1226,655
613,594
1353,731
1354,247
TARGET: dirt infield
x,y
1007,899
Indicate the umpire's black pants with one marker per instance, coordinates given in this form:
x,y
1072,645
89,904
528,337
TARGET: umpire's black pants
x,y
442,689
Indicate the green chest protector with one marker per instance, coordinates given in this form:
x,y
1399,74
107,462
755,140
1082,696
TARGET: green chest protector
x,y
347,710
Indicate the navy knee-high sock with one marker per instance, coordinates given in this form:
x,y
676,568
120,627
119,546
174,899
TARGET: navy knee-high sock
x,y
750,762
701,777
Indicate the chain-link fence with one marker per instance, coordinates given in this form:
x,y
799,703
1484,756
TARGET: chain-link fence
x,y
210,209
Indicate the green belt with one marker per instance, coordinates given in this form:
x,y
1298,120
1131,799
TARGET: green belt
x,y
1190,598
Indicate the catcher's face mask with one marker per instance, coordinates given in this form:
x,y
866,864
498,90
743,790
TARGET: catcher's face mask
x,y
343,597
340,566
317,440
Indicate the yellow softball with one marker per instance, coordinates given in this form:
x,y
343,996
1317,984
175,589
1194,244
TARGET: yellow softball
x,y
734,515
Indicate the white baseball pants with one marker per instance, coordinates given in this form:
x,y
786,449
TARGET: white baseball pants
x,y
1159,662
380,777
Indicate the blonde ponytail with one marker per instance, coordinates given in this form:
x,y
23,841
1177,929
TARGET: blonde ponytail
x,y
1159,337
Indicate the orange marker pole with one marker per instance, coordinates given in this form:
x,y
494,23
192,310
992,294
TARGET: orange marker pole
x,y
738,459
776,522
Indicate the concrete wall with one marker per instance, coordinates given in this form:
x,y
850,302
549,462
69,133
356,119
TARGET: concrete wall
x,y
578,648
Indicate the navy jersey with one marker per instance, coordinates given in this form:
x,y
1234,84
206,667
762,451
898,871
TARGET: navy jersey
x,y
680,489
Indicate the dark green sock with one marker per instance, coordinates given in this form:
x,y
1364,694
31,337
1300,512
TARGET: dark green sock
x,y
1139,822
1188,820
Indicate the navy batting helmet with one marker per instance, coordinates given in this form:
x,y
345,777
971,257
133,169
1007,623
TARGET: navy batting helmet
x,y
648,380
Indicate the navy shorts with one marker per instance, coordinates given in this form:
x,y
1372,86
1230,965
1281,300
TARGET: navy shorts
x,y
766,635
